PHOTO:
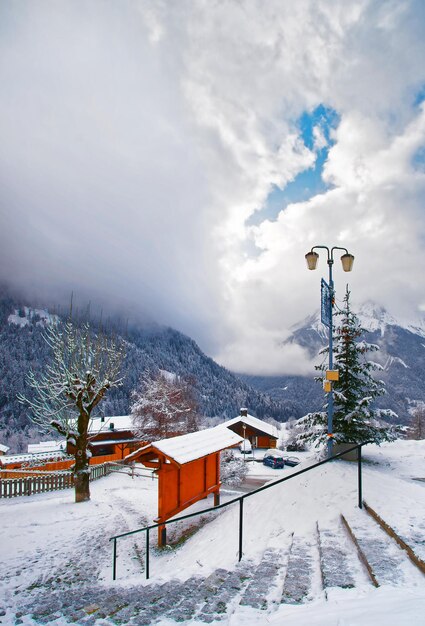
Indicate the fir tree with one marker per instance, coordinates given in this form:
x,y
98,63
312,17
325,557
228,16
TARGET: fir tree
x,y
354,418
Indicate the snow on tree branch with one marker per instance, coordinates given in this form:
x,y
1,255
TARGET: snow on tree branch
x,y
164,406
84,366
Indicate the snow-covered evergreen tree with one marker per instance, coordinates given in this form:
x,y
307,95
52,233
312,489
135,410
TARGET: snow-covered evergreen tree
x,y
84,366
354,418
163,406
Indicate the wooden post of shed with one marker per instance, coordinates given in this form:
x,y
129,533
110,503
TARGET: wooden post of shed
x,y
162,536
217,470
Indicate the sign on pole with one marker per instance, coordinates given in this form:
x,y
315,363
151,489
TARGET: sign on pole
x,y
325,300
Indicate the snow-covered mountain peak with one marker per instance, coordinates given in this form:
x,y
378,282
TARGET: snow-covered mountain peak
x,y
372,316
311,321
375,317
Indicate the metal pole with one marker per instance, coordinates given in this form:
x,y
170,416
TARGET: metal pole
x,y
114,561
331,393
359,471
240,527
311,258
147,554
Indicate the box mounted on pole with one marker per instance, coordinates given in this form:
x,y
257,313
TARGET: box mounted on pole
x,y
332,375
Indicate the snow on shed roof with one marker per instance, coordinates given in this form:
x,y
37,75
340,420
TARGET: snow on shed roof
x,y
185,448
254,422
4,448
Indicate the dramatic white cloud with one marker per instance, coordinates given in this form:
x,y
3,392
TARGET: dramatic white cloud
x,y
139,137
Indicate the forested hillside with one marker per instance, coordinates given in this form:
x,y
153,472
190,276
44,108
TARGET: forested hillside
x,y
22,347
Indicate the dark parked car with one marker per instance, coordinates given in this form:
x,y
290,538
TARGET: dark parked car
x,y
292,461
276,462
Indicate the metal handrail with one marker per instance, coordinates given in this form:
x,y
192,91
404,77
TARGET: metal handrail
x,y
239,499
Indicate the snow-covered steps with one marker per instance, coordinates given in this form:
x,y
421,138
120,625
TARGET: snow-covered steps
x,y
337,560
221,589
302,578
201,599
266,580
294,569
411,541
385,561
186,602
307,566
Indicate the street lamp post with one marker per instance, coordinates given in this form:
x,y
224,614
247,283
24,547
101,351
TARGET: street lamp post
x,y
328,298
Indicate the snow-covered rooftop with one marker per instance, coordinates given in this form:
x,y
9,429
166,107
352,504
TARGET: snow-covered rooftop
x,y
120,422
3,448
186,448
23,458
254,422
46,446
107,442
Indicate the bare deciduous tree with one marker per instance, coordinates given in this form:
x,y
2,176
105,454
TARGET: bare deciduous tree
x,y
164,405
417,425
85,365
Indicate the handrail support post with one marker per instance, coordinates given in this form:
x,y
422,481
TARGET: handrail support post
x,y
359,471
240,527
114,561
147,554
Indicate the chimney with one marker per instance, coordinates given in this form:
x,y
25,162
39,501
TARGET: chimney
x,y
244,412
102,419
111,426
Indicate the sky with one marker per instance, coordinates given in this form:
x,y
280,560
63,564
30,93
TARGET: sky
x,y
176,160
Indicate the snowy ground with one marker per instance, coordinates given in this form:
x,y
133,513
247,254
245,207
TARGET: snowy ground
x,y
56,557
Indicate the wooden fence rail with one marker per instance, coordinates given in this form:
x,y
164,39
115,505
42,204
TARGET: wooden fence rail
x,y
12,487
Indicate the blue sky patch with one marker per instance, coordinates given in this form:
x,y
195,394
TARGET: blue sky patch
x,y
418,160
309,182
322,116
420,96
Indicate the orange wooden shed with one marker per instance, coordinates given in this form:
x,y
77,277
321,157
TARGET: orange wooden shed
x,y
188,469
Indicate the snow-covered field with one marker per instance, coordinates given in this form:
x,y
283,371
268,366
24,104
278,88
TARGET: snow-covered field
x,y
56,555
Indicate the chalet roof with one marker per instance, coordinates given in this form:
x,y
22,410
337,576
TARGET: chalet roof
x,y
47,446
107,442
22,458
186,448
254,422
4,448
120,422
